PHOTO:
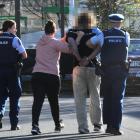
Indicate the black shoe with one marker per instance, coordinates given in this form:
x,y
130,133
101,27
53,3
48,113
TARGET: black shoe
x,y
98,128
114,131
0,121
117,132
109,129
15,127
57,128
35,130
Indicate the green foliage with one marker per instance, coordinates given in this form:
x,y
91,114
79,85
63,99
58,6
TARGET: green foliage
x,y
129,8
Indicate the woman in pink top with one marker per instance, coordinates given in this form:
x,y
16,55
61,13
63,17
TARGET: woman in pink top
x,y
45,79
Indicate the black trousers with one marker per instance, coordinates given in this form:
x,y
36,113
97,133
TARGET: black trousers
x,y
45,84
10,86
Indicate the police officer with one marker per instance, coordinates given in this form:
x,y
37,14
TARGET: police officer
x,y
114,53
11,50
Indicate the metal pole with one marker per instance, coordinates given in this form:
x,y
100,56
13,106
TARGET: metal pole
x,y
62,25
17,16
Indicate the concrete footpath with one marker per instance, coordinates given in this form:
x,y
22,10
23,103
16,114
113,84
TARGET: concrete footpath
x,y
130,124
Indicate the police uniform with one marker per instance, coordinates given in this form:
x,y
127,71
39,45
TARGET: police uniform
x,y
86,81
10,48
114,55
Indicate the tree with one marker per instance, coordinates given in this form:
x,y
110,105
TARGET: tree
x,y
38,8
105,7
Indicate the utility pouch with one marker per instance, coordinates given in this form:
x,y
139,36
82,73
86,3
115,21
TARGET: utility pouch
x,y
127,65
98,69
18,67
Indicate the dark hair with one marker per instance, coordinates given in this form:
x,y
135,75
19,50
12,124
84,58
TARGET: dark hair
x,y
84,19
7,24
49,27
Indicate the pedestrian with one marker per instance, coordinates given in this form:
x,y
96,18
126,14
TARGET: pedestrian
x,y
11,52
114,63
46,78
85,81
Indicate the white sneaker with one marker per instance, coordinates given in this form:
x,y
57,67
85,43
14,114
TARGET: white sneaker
x,y
61,123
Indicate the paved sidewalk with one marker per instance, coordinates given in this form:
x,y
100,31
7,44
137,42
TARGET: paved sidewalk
x,y
130,125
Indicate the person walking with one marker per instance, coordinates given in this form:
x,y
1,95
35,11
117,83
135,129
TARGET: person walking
x,y
115,66
46,77
11,52
85,81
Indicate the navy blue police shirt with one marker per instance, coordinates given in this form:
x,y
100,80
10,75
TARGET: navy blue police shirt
x,y
8,55
114,50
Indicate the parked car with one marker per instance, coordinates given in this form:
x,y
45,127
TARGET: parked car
x,y
133,82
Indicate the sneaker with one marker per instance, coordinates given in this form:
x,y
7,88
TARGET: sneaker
x,y
97,128
61,124
35,130
15,127
83,131
57,128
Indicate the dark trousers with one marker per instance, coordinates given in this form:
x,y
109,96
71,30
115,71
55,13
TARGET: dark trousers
x,y
10,87
45,84
112,88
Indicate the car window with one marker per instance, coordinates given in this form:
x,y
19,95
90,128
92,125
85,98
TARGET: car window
x,y
30,40
134,47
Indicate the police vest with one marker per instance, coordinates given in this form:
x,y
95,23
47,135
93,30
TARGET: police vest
x,y
8,54
114,49
83,49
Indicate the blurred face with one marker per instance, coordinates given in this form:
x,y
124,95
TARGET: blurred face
x,y
13,29
116,24
85,20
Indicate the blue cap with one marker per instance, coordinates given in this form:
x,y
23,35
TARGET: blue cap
x,y
116,17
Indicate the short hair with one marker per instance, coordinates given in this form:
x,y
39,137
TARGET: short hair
x,y
7,24
85,20
50,27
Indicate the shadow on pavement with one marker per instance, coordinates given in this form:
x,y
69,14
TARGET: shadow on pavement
x,y
57,137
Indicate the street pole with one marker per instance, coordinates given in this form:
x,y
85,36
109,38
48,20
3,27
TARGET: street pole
x,y
62,25
17,16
